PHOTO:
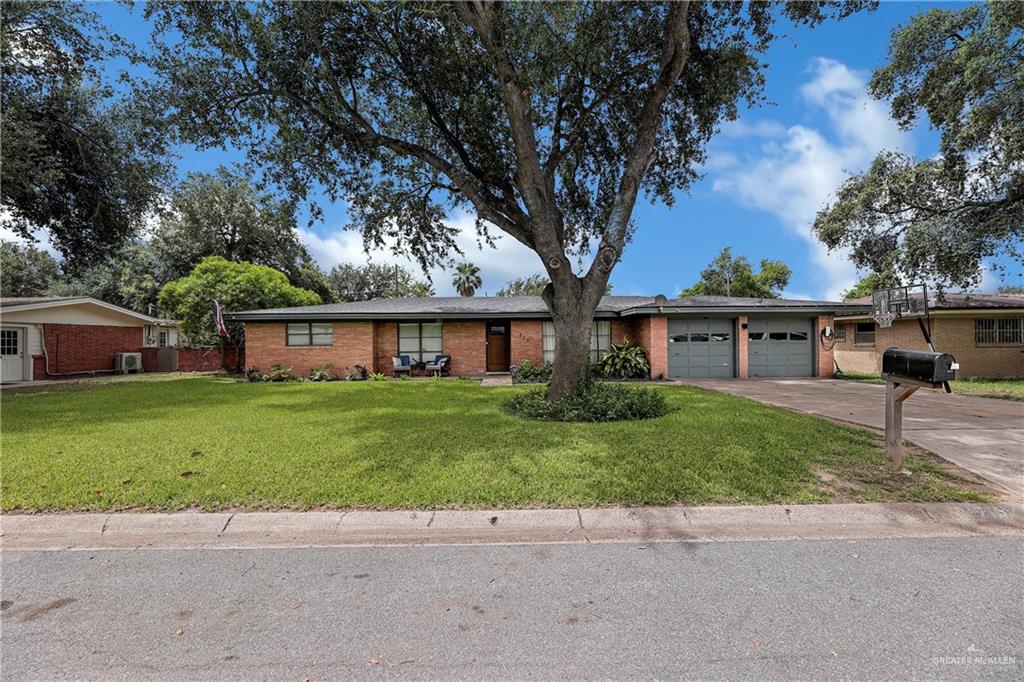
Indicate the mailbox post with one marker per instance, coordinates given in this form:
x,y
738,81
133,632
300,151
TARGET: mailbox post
x,y
905,371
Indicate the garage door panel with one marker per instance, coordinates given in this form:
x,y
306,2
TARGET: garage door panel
x,y
781,347
701,348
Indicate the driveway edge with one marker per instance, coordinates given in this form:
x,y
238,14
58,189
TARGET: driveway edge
x,y
529,526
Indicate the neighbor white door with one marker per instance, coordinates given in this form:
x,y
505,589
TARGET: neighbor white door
x,y
12,348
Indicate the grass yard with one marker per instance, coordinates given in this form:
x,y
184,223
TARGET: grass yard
x,y
1007,389
215,443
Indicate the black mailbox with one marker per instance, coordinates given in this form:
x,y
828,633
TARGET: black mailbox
x,y
919,364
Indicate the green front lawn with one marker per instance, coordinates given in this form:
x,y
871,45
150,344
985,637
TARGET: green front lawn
x,y
1008,389
214,443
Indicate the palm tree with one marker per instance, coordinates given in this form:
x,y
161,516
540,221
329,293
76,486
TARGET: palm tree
x,y
467,279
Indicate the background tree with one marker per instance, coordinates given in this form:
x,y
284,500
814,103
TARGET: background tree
x,y
1010,289
130,277
938,218
546,119
866,285
733,276
531,285
75,160
467,279
26,270
364,282
237,286
221,214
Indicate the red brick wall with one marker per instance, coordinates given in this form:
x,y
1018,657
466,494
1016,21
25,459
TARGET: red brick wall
x,y
652,334
38,367
88,348
385,346
742,348
527,341
353,345
466,343
826,351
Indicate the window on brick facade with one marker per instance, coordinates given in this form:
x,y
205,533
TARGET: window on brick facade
x,y
864,333
310,334
600,340
999,331
840,330
421,341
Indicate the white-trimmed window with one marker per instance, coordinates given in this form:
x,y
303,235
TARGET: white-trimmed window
x,y
310,334
162,338
600,340
840,330
1001,331
421,341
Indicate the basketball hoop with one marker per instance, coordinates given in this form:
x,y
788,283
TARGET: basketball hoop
x,y
884,320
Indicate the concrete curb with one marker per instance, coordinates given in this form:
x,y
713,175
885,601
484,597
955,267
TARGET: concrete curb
x,y
614,524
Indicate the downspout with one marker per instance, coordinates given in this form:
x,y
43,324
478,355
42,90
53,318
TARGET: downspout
x,y
46,360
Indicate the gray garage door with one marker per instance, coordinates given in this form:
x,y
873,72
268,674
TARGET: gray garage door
x,y
700,348
780,347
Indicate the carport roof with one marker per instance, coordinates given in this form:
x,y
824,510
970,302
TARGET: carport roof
x,y
458,307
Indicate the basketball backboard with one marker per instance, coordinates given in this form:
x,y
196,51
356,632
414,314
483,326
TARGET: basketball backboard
x,y
894,303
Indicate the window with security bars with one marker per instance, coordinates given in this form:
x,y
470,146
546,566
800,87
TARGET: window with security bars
x,y
840,331
600,340
1007,331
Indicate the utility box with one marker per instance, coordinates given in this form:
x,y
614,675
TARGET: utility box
x,y
919,364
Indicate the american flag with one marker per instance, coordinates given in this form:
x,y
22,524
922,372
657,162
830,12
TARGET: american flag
x,y
218,318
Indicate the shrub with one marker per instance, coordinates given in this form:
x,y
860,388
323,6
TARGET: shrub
x,y
527,372
325,373
404,377
625,361
594,402
378,376
358,374
278,373
253,375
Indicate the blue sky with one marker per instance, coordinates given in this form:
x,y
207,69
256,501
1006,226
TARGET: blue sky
x,y
766,175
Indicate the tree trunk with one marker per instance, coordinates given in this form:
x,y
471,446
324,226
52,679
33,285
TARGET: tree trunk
x,y
572,302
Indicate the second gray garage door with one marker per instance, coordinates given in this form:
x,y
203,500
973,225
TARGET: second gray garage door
x,y
700,348
780,347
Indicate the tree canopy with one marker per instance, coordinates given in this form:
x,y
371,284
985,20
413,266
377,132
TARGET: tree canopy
x,y
221,214
866,285
76,160
729,275
545,119
236,286
940,217
26,270
364,282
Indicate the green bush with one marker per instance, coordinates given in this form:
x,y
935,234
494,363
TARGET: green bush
x,y
527,372
594,402
625,361
378,376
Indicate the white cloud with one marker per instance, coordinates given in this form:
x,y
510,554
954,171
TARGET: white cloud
x,y
794,176
497,264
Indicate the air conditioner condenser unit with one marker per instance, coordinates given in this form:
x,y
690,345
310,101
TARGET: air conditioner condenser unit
x,y
128,362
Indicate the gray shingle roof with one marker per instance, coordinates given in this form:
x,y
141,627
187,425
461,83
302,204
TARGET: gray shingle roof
x,y
960,301
520,306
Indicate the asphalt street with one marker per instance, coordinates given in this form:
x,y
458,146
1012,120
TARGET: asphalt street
x,y
935,608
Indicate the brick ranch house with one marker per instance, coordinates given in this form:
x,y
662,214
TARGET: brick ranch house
x,y
67,337
985,333
699,336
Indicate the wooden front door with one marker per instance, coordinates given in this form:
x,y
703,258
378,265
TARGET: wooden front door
x,y
497,347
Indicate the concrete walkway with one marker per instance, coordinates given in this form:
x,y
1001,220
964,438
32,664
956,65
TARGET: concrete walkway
x,y
982,435
526,526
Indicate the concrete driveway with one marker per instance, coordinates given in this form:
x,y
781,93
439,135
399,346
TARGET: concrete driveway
x,y
983,435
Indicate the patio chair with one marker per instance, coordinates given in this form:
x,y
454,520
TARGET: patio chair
x,y
401,364
441,365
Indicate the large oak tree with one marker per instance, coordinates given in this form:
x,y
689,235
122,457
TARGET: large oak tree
x,y
545,119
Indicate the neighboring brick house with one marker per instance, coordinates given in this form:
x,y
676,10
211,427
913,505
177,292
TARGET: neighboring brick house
x,y
985,333
699,336
64,337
